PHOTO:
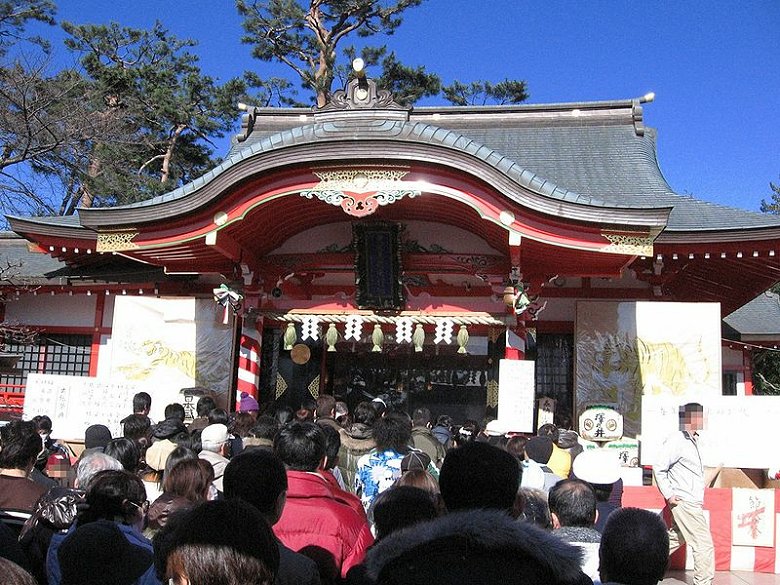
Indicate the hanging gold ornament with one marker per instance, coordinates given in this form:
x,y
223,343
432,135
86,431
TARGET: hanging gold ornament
x,y
281,385
492,393
314,387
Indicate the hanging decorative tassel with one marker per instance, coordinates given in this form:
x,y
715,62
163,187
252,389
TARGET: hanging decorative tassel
x,y
290,336
377,337
332,337
463,339
229,299
418,339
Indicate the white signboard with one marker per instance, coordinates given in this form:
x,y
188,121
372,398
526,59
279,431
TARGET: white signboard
x,y
729,420
171,343
545,411
75,402
516,398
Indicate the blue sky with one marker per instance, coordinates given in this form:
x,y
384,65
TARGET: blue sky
x,y
714,66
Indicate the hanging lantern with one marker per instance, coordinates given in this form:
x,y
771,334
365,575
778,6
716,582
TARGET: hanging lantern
x,y
509,296
332,337
463,339
290,336
377,337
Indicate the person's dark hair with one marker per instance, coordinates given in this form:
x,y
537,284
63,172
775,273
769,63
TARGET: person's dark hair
x,y
573,502
468,432
379,406
306,412
479,475
421,479
175,410
137,427
393,432
602,491
189,479
113,495
402,506
219,542
539,449
516,446
14,574
332,445
194,441
634,548
686,410
364,413
326,405
265,427
531,506
205,405
142,402
176,456
242,424
284,414
171,429
125,451
444,420
421,417
20,444
219,416
300,445
258,477
548,430
42,423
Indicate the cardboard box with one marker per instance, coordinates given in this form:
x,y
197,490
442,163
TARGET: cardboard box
x,y
741,478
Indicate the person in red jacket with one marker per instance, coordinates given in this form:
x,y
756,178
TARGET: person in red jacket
x,y
315,521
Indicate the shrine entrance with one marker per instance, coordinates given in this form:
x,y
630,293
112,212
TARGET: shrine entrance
x,y
462,385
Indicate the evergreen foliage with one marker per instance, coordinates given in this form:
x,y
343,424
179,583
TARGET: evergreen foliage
x,y
135,116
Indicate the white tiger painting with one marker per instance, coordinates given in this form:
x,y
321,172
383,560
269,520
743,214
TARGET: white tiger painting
x,y
619,366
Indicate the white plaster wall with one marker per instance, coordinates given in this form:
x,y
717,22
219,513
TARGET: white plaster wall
x,y
57,310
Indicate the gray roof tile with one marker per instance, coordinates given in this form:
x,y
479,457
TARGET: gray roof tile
x,y
761,316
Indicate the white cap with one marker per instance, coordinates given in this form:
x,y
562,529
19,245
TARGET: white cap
x,y
215,434
599,466
498,428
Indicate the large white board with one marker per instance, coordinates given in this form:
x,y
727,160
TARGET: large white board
x,y
516,395
741,431
75,402
626,350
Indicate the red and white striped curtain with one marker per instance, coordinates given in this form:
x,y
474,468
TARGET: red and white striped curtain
x,y
249,360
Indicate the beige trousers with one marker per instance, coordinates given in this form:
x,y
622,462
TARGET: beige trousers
x,y
689,526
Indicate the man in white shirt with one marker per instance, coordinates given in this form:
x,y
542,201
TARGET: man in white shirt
x,y
679,474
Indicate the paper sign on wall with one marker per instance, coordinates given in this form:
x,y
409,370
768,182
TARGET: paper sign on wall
x,y
516,395
75,402
753,517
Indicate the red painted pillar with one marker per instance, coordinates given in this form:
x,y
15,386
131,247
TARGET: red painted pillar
x,y
747,371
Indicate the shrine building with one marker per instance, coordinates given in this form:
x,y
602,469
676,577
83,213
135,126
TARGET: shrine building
x,y
367,249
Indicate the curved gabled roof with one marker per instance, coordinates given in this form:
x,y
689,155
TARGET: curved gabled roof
x,y
596,153
419,141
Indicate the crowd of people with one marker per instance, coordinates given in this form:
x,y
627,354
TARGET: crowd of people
x,y
318,495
